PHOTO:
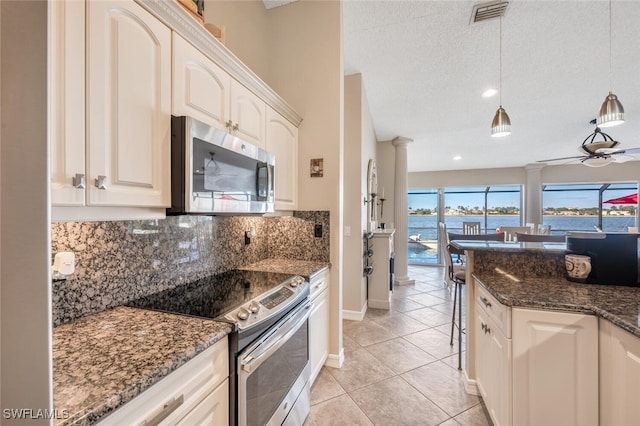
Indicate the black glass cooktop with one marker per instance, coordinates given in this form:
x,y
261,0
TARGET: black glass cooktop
x,y
213,296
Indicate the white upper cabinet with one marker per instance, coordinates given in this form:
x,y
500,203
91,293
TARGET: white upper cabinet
x,y
67,45
282,140
200,87
129,106
248,115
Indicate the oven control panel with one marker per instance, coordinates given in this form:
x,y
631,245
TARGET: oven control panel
x,y
268,304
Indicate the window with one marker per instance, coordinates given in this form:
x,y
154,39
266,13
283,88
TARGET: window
x,y
589,206
492,206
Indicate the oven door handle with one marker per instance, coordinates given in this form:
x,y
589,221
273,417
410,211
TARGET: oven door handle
x,y
250,362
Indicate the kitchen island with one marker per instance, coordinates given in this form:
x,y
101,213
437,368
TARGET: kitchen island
x,y
542,349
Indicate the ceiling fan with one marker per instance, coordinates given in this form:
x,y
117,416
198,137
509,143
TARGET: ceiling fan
x,y
599,153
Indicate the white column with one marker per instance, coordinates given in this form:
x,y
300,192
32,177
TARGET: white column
x,y
533,193
401,208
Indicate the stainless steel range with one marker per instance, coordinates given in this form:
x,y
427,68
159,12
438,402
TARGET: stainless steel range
x,y
269,347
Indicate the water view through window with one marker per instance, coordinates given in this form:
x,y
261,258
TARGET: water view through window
x,y
573,207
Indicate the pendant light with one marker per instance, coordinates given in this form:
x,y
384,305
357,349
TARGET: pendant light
x,y
611,111
501,124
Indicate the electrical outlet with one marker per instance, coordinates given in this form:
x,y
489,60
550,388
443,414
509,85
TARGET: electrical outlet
x,y
317,230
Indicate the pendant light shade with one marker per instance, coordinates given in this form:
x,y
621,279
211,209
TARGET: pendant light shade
x,y
501,124
611,112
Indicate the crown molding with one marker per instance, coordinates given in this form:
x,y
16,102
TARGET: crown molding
x,y
178,19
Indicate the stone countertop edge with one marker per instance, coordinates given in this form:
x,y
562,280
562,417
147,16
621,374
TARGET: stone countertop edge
x,y
617,304
104,360
509,247
306,268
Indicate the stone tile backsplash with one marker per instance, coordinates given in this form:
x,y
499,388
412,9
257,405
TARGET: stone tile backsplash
x,y
122,260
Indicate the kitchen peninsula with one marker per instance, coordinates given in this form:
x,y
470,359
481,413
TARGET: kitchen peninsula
x,y
542,349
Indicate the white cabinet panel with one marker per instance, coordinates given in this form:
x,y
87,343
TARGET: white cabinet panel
x,y
129,106
282,140
619,376
213,410
200,87
555,368
67,43
319,324
248,113
493,367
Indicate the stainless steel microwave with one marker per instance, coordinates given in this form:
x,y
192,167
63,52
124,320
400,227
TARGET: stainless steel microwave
x,y
213,171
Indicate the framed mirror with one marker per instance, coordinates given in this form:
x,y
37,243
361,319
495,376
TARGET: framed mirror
x,y
372,191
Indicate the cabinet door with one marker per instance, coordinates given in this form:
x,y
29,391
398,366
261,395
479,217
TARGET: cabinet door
x,y
282,140
129,106
319,333
555,368
67,103
200,87
213,410
248,112
619,376
493,367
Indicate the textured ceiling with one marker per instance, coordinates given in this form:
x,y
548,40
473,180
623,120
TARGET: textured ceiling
x,y
424,68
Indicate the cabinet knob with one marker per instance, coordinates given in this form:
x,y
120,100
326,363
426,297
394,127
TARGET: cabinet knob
x,y
235,127
101,182
486,302
79,181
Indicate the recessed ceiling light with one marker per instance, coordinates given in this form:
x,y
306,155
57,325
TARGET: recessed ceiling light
x,y
457,157
489,93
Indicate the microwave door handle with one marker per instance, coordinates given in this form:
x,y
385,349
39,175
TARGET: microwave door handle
x,y
251,362
270,181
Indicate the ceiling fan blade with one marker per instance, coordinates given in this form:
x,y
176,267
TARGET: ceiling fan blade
x,y
628,151
622,158
563,158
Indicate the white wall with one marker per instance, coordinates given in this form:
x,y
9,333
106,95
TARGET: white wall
x,y
25,325
360,147
245,25
386,154
509,176
305,68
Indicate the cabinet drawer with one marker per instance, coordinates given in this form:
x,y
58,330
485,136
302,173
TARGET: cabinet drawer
x,y
181,391
318,285
500,313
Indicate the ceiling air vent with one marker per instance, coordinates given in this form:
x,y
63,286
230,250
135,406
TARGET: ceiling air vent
x,y
484,11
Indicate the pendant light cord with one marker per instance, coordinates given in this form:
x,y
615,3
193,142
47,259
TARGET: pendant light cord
x,y
500,82
610,54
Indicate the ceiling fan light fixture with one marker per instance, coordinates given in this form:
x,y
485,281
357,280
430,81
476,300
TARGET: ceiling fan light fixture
x,y
611,112
501,124
597,161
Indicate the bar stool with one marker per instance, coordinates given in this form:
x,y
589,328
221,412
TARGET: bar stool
x,y
457,276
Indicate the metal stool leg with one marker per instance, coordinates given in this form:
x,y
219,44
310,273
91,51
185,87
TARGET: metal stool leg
x,y
460,327
453,317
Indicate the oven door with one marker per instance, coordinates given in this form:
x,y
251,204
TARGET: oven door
x,y
273,372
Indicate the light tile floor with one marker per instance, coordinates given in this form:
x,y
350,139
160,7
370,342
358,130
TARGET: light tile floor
x,y
399,368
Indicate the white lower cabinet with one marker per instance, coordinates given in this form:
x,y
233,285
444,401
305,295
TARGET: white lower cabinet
x,y
493,362
537,367
319,323
619,376
196,393
555,368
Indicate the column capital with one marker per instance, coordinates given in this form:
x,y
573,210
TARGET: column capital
x,y
534,166
399,140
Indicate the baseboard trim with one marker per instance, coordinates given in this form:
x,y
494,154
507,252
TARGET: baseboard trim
x,y
470,385
355,315
404,281
335,361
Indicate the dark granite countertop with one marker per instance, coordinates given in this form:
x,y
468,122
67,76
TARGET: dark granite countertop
x,y
305,268
102,361
509,247
618,304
